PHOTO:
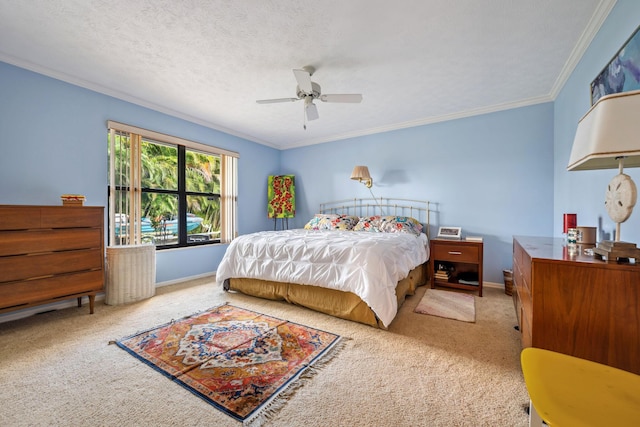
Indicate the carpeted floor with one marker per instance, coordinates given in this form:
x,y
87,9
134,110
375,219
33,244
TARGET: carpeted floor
x,y
57,369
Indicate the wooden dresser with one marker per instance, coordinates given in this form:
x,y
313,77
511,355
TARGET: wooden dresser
x,y
575,304
50,253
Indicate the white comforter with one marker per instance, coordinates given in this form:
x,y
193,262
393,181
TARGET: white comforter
x,y
367,264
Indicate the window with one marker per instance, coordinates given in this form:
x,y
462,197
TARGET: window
x,y
168,191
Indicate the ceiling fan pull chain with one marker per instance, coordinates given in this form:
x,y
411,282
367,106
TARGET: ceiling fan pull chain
x,y
304,119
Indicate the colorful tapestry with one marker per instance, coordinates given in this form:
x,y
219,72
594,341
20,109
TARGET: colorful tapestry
x,y
238,360
281,196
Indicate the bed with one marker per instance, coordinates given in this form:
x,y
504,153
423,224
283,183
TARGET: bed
x,y
356,259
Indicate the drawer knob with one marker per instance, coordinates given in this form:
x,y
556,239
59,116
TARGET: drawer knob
x,y
455,253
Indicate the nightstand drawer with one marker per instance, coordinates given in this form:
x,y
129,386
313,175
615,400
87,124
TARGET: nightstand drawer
x,y
461,263
455,252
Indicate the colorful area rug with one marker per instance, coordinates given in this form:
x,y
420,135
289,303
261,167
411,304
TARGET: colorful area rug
x,y
448,304
240,361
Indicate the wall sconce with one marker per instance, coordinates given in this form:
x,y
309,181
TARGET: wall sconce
x,y
361,173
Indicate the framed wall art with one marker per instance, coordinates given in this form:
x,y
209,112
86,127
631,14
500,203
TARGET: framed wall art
x,y
622,73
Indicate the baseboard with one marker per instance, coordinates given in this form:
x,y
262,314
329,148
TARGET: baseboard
x,y
492,285
186,279
73,302
21,314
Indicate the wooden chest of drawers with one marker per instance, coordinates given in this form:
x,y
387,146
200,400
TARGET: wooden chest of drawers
x,y
575,304
50,253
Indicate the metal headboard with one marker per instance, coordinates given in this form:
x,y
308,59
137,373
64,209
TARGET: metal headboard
x,y
418,209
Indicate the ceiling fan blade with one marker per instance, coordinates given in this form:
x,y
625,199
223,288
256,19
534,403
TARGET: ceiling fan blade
x,y
273,101
342,97
303,77
311,110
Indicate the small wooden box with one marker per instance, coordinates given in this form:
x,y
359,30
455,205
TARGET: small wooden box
x,y
72,199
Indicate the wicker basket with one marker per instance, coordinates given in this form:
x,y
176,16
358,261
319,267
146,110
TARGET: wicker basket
x,y
72,199
131,273
508,281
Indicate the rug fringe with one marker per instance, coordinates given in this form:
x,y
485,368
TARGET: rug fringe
x,y
268,412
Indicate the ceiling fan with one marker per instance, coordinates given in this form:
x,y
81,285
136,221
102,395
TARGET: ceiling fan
x,y
308,91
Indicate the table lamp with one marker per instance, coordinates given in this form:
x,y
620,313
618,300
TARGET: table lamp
x,y
608,137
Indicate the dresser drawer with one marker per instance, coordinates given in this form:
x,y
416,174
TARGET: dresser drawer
x,y
50,263
522,266
61,217
456,252
39,217
19,217
35,241
13,294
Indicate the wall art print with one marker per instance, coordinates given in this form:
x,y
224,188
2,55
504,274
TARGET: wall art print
x,y
281,196
622,73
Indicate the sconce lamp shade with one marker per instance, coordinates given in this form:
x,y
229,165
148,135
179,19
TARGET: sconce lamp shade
x,y
609,130
361,173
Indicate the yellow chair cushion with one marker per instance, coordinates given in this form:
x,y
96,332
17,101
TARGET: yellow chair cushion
x,y
569,391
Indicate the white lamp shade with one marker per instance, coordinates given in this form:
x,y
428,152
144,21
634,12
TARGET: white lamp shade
x,y
610,129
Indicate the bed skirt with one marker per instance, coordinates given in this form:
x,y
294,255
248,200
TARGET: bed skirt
x,y
345,305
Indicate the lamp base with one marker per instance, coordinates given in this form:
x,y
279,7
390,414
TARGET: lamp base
x,y
617,251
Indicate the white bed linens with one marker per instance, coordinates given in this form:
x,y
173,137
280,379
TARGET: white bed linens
x,y
365,263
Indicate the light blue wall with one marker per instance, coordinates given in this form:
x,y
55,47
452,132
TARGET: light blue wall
x,y
492,175
583,192
53,141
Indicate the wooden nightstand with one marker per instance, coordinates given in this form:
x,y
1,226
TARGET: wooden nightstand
x,y
461,259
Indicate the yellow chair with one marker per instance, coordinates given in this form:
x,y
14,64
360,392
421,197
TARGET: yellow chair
x,y
568,391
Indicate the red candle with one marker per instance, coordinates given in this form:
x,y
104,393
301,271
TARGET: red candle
x,y
570,221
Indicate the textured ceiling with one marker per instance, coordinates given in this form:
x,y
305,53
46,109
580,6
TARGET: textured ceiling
x,y
414,61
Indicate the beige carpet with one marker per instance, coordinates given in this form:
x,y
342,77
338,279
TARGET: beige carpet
x,y
57,369
448,304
